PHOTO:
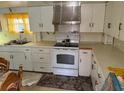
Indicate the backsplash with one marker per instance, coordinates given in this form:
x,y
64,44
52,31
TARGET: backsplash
x,y
119,44
84,37
91,37
58,36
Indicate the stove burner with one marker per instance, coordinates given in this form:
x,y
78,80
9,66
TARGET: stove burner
x,y
66,45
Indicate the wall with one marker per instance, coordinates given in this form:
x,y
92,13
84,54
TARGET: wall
x,y
91,37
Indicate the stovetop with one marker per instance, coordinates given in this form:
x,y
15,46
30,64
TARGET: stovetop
x,y
66,45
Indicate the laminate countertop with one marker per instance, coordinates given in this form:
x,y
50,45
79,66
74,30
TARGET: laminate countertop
x,y
41,44
106,55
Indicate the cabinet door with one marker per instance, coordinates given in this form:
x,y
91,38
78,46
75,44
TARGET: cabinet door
x,y
121,36
108,18
35,19
86,16
47,17
17,59
98,17
8,57
28,63
116,18
85,62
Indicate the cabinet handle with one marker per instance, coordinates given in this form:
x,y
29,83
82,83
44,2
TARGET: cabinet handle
x,y
85,52
40,50
27,49
11,57
42,25
94,62
120,24
25,57
92,66
92,24
41,58
96,83
99,75
41,67
80,60
109,25
89,24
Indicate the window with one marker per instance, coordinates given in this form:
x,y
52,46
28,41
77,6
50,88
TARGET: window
x,y
18,22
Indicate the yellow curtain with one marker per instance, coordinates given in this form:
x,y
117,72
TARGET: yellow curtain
x,y
12,16
11,26
17,15
26,26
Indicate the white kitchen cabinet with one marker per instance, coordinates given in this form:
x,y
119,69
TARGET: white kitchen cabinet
x,y
86,16
92,17
85,62
18,59
40,19
47,17
98,17
41,60
114,19
17,56
35,19
108,19
121,33
8,57
21,58
97,76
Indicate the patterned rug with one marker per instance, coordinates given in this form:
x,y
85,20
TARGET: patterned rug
x,y
66,82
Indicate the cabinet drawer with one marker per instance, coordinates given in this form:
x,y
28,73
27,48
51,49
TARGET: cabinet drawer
x,y
39,68
43,64
40,57
40,50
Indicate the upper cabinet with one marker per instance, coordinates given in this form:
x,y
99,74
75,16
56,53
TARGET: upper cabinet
x,y
92,17
40,19
114,20
108,19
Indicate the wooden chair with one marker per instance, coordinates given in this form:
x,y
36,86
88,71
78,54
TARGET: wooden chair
x,y
12,81
4,65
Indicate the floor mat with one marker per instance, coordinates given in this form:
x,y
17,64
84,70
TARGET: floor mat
x,y
66,82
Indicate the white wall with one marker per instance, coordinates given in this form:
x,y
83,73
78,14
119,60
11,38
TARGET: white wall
x,y
91,37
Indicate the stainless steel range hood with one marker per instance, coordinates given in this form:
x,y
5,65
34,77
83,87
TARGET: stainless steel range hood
x,y
67,12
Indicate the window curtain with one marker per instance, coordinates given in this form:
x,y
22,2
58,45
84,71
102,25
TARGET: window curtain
x,y
12,16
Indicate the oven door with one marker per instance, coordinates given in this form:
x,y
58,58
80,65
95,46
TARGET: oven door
x,y
65,58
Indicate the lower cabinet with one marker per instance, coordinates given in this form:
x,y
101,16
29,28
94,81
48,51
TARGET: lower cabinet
x,y
17,57
21,58
97,76
85,56
41,60
7,56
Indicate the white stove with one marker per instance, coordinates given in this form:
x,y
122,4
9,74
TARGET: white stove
x,y
65,59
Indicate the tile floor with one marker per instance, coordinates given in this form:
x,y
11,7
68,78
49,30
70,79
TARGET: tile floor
x,y
31,76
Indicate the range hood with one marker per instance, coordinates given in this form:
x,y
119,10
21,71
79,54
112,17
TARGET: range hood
x,y
67,12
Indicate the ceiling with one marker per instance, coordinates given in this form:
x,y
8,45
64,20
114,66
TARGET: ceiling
x,y
34,3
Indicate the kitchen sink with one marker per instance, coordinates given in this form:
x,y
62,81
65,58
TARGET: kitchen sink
x,y
17,42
